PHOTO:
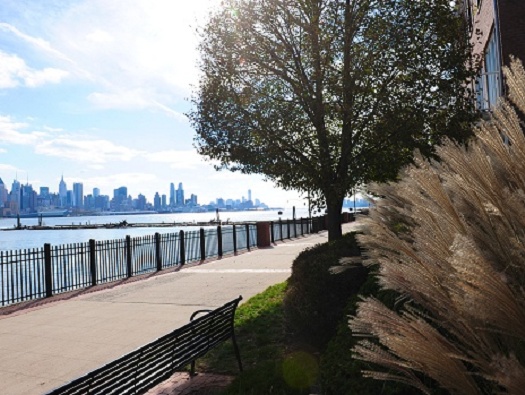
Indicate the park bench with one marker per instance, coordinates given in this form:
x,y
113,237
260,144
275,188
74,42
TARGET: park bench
x,y
142,369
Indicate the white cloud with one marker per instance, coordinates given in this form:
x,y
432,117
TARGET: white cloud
x,y
90,151
128,100
100,36
178,159
134,46
6,168
75,148
35,41
10,133
15,72
34,78
141,54
132,100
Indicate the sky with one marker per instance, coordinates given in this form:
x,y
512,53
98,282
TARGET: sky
x,y
96,91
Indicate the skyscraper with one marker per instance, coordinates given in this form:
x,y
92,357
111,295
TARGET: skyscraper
x,y
3,194
120,199
44,192
78,195
27,199
172,195
180,195
14,196
157,202
62,192
249,195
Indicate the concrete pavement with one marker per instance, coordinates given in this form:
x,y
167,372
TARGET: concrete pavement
x,y
45,346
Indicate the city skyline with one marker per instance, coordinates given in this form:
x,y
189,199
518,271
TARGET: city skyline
x,y
23,198
97,91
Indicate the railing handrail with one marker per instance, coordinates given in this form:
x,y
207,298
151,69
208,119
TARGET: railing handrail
x,y
43,272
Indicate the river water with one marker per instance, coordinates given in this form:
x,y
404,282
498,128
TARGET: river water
x,y
11,239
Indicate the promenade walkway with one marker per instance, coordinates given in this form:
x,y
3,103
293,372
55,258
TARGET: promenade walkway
x,y
48,343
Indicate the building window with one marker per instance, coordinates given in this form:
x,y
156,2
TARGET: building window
x,y
488,83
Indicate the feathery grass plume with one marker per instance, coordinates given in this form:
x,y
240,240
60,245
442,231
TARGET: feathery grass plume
x,y
450,239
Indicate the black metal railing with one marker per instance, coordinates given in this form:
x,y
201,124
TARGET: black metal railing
x,y
43,272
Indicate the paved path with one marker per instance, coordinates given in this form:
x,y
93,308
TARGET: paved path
x,y
45,346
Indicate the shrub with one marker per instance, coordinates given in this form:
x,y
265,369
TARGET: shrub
x,y
340,373
458,264
315,299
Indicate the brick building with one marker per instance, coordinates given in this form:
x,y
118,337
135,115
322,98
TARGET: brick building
x,y
497,30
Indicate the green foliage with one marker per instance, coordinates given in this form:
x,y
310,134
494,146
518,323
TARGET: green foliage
x,y
340,374
315,298
322,96
269,366
259,331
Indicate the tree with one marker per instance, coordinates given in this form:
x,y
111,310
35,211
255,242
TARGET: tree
x,y
322,96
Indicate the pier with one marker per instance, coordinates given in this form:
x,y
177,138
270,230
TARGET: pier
x,y
120,225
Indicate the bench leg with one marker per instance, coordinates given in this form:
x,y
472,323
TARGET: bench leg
x,y
192,369
237,353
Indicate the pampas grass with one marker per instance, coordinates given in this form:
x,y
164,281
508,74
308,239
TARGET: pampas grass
x,y
450,239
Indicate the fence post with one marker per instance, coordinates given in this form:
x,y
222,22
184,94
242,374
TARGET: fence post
x,y
48,273
288,228
93,261
219,241
281,228
128,257
158,255
302,223
234,239
247,236
272,234
203,244
307,220
182,251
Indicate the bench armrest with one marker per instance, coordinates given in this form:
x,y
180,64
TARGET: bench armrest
x,y
198,312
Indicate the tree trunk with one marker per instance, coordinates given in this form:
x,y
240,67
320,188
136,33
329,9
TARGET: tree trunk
x,y
334,218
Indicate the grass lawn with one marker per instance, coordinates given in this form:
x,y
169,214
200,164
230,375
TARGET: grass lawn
x,y
271,364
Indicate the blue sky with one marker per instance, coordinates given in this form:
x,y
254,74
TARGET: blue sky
x,y
96,90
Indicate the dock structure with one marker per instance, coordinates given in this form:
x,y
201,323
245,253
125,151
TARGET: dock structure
x,y
121,225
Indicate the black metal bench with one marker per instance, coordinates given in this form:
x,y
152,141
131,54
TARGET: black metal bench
x,y
142,369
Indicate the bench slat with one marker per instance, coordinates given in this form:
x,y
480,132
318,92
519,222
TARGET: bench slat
x,y
145,367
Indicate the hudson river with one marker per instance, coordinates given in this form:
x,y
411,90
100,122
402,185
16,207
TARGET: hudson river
x,y
21,239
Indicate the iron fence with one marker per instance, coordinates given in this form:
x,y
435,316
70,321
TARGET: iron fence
x,y
42,272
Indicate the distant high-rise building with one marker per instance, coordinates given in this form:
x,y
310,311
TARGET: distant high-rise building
x,y
44,192
70,198
120,199
180,195
14,196
249,194
102,202
141,202
193,200
157,201
27,199
78,195
3,194
96,192
172,195
163,201
62,192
